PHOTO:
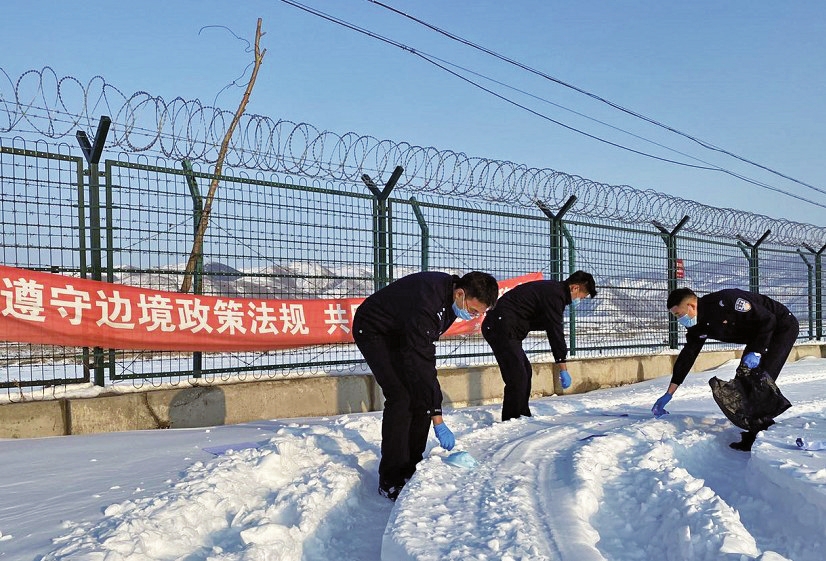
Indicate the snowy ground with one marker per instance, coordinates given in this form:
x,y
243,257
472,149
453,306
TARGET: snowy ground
x,y
589,477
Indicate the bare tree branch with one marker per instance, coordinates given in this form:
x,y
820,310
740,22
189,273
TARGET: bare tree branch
x,y
198,244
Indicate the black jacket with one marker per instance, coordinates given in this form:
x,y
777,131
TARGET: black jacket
x,y
731,316
535,306
416,309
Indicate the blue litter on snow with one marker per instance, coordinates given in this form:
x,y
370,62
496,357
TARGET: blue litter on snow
x,y
462,459
810,445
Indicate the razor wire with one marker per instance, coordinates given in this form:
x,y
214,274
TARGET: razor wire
x,y
41,103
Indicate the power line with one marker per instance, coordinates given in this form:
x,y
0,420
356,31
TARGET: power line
x,y
433,60
711,167
503,58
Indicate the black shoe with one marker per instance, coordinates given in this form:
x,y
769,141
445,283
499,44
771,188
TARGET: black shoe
x,y
390,491
746,441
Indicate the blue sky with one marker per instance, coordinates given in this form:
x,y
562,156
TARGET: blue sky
x,y
745,76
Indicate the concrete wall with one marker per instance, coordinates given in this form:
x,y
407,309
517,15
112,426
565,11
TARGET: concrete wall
x,y
219,404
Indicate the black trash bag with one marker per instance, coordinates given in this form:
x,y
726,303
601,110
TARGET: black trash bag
x,y
750,400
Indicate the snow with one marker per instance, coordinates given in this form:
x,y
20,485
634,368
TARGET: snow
x,y
589,477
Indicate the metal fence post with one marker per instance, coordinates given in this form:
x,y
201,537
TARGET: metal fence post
x,y
557,232
808,293
754,259
670,239
556,235
818,290
92,152
110,244
382,229
197,281
425,232
81,230
571,268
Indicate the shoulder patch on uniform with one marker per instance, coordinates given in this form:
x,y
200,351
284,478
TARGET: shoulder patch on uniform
x,y
742,305
723,304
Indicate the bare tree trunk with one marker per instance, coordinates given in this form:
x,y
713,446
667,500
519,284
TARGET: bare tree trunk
x,y
198,244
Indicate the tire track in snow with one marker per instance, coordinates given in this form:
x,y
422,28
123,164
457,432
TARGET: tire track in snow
x,y
642,486
527,510
544,491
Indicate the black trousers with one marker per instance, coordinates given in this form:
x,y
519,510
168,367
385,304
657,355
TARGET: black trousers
x,y
782,341
405,422
513,365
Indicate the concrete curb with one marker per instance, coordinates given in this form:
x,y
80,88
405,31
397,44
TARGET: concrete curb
x,y
232,403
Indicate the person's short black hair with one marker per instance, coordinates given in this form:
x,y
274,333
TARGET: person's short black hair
x,y
585,279
481,286
677,296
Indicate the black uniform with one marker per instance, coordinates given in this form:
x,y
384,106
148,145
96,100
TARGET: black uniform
x,y
396,329
764,325
532,306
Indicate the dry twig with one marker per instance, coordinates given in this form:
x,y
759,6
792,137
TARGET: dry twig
x,y
198,244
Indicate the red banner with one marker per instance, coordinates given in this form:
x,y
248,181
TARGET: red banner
x,y
49,309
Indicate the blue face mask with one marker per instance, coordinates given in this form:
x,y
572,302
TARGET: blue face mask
x,y
462,312
686,321
575,303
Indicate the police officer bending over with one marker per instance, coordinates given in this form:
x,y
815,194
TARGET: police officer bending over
x,y
396,330
532,306
767,327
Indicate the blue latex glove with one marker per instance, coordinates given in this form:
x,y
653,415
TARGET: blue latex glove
x,y
564,379
445,436
659,406
751,360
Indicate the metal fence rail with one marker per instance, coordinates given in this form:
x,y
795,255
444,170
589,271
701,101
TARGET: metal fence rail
x,y
132,221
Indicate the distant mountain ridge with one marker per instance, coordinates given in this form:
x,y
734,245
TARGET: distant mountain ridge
x,y
296,280
633,298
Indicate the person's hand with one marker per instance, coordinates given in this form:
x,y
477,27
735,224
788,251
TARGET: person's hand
x,y
564,379
659,406
751,360
445,436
